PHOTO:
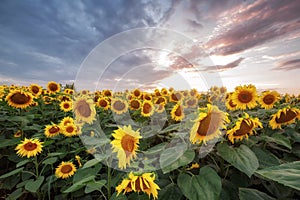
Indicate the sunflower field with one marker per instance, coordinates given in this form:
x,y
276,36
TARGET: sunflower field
x,y
59,143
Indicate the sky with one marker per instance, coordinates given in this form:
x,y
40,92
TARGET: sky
x,y
126,44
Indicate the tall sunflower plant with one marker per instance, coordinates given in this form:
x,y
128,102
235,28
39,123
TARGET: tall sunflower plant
x,y
59,143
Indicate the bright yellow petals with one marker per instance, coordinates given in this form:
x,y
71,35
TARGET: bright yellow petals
x,y
29,148
245,96
268,99
69,130
147,108
78,160
84,109
119,106
65,170
283,117
177,112
125,143
139,183
52,130
66,106
53,87
244,127
19,99
208,124
18,134
35,90
103,103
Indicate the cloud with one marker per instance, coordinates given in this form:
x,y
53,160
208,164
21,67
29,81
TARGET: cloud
x,y
219,68
288,65
244,27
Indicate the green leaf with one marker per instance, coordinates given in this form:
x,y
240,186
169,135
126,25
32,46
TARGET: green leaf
x,y
170,155
206,185
278,139
265,158
90,163
241,157
185,159
12,173
85,173
170,192
50,161
23,162
250,194
92,186
9,142
80,184
287,174
33,186
15,195
170,128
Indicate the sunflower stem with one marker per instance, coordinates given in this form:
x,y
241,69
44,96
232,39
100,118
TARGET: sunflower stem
x,y
36,166
108,182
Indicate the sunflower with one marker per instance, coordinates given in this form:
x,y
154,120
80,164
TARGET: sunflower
x,y
139,183
77,157
193,92
103,102
244,127
136,93
107,93
19,99
164,92
147,108
147,96
244,96
29,147
18,134
160,100
119,106
268,99
53,87
191,102
65,170
159,108
177,112
208,124
66,106
84,109
35,89
134,104
125,143
175,96
52,130
284,116
65,121
193,166
229,103
69,130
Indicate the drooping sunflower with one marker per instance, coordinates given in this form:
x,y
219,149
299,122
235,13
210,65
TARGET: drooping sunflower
x,y
139,183
35,89
245,96
52,130
283,117
119,106
18,134
65,170
53,87
208,124
84,109
147,108
65,121
135,104
244,127
147,96
69,130
19,99
125,143
229,103
29,147
177,112
66,106
268,99
103,102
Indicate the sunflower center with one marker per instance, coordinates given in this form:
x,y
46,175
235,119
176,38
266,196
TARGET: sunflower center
x,y
244,128
127,144
84,108
135,104
231,104
245,97
19,98
30,146
178,111
286,117
103,103
70,129
35,89
53,130
66,169
147,108
136,93
160,100
176,96
208,125
269,99
53,87
118,105
66,105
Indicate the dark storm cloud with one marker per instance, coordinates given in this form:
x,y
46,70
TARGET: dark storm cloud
x,y
255,24
288,65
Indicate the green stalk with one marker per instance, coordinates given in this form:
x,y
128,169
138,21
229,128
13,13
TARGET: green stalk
x,y
108,182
